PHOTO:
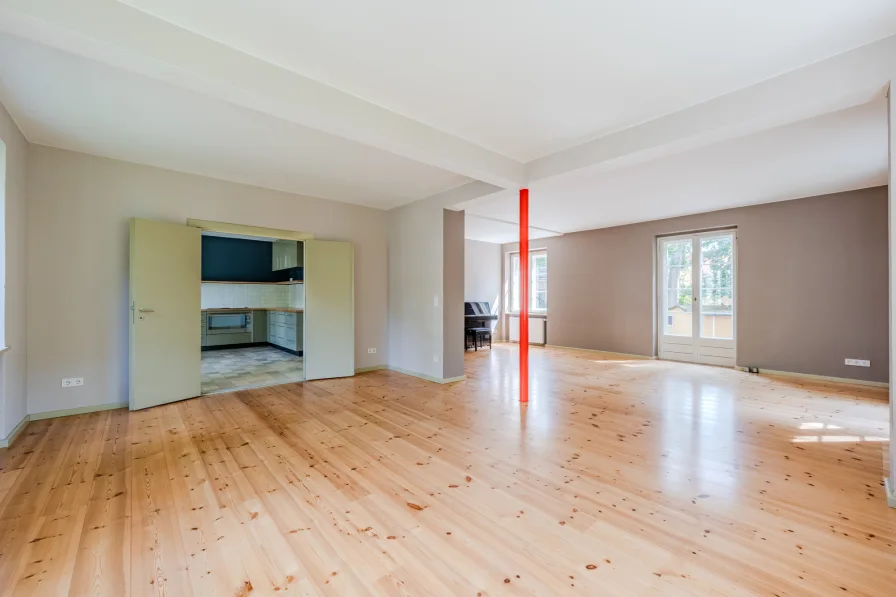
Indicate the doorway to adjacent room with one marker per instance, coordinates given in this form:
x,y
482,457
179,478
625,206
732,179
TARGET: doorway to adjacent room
x,y
253,302
301,328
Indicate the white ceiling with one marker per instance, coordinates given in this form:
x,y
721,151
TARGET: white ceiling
x,y
840,151
498,231
64,100
384,103
526,78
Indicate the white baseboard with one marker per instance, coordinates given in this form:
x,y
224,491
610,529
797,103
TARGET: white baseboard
x,y
442,380
81,410
640,357
368,369
891,493
9,439
844,380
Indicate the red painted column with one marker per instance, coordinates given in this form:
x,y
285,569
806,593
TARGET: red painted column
x,y
524,295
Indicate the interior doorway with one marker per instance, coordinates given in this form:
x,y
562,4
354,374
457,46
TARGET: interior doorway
x,y
302,329
253,303
697,310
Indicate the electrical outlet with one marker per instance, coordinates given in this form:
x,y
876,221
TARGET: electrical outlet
x,y
70,382
435,358
371,351
858,363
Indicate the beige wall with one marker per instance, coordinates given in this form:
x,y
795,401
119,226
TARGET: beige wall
x,y
78,212
812,284
453,289
415,289
426,277
13,403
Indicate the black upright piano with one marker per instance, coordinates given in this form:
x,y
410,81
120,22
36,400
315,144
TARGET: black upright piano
x,y
477,322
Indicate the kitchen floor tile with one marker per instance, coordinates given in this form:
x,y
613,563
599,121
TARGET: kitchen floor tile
x,y
238,368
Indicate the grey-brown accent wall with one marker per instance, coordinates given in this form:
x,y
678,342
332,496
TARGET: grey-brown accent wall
x,y
812,283
453,294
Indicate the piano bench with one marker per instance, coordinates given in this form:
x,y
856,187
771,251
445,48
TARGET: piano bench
x,y
477,335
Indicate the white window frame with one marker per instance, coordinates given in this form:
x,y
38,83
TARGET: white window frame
x,y
513,275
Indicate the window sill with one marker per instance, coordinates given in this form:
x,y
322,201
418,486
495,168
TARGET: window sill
x,y
3,349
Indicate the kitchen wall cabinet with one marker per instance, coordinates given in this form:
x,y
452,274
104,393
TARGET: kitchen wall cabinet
x,y
286,254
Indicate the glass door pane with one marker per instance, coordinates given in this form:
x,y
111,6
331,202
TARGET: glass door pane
x,y
515,283
539,296
227,321
717,287
678,289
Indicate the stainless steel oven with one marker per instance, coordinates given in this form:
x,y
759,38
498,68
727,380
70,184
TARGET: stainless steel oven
x,y
231,322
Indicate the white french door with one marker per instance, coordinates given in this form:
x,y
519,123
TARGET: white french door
x,y
697,313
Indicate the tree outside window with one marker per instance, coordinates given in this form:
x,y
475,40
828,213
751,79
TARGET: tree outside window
x,y
538,282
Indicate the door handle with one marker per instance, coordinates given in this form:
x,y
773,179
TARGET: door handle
x,y
147,310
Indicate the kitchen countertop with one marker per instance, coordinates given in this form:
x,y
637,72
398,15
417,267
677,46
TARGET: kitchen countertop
x,y
226,310
287,283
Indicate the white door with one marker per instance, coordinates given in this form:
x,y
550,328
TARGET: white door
x,y
696,297
329,347
165,317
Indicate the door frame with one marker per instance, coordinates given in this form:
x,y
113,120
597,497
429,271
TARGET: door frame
x,y
660,288
246,230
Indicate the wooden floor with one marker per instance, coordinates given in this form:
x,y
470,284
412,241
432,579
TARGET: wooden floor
x,y
620,478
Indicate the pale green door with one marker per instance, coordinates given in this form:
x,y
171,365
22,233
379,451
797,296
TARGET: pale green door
x,y
165,317
329,347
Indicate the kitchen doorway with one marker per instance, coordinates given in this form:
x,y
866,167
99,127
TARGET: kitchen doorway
x,y
253,303
302,305
696,299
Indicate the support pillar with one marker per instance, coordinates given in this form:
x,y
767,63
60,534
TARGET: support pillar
x,y
524,295
891,112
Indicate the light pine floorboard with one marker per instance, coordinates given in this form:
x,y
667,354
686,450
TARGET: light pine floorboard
x,y
620,478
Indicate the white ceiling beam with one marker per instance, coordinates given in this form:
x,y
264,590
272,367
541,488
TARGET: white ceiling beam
x,y
841,82
454,198
116,34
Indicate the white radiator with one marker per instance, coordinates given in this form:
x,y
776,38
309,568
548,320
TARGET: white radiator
x,y
537,330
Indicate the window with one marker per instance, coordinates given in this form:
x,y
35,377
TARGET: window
x,y
538,282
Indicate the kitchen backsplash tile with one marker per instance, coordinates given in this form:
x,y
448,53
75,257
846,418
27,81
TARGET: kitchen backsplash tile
x,y
297,296
223,296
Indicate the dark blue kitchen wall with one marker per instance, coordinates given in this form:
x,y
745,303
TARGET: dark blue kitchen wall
x,y
240,260
236,260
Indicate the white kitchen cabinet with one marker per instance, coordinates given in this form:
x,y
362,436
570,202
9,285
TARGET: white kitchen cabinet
x,y
285,329
286,254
